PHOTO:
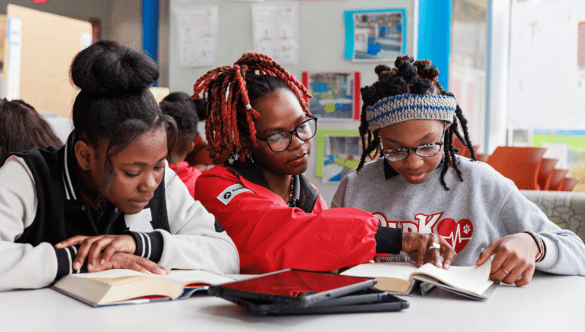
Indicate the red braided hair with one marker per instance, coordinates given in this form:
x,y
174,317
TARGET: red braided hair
x,y
226,90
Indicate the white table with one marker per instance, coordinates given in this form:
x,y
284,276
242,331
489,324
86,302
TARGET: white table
x,y
548,303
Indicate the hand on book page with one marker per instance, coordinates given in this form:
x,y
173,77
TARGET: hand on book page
x,y
101,247
423,248
121,260
514,257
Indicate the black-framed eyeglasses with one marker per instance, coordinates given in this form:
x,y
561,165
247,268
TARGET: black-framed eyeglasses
x,y
281,140
427,150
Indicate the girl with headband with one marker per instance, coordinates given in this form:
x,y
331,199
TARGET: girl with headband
x,y
420,185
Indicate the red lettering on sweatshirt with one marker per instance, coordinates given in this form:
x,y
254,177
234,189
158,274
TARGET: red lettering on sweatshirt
x,y
457,234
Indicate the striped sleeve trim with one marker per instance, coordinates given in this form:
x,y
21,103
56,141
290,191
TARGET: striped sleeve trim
x,y
65,258
148,245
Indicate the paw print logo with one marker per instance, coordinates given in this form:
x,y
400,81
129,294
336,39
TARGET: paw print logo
x,y
466,229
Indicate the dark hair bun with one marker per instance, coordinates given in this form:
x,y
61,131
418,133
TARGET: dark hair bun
x,y
109,68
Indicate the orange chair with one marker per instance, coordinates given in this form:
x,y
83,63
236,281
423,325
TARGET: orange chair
x,y
519,164
556,181
545,172
569,184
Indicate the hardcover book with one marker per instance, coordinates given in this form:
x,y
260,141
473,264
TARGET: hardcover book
x,y
120,286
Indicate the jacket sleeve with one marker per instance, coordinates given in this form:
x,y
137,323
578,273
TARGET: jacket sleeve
x,y
21,265
565,251
196,241
271,236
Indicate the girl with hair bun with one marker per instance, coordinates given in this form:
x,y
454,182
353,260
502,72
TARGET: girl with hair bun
x,y
257,115
107,199
420,185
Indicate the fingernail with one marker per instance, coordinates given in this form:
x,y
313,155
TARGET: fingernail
x,y
90,266
102,261
76,266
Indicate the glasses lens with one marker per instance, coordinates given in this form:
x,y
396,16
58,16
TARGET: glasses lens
x,y
307,129
395,155
279,141
428,150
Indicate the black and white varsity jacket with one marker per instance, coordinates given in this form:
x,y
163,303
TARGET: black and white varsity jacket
x,y
41,205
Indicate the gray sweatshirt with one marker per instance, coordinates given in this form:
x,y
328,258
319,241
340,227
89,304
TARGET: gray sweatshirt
x,y
474,213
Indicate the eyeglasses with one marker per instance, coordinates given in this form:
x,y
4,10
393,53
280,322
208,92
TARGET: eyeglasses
x,y
427,150
281,140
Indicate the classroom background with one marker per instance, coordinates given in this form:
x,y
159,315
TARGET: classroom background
x,y
516,67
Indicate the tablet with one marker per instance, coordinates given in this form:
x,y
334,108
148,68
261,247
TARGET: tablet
x,y
370,300
293,288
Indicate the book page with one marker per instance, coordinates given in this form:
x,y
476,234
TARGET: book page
x,y
391,276
383,269
113,273
181,277
110,277
474,279
185,277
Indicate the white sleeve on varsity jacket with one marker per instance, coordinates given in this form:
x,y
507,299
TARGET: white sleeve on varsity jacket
x,y
193,242
21,265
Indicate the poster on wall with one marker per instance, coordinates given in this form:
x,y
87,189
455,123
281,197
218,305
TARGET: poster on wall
x,y
336,95
338,152
275,30
375,35
197,35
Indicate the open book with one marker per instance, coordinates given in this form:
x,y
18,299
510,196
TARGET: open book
x,y
407,279
120,286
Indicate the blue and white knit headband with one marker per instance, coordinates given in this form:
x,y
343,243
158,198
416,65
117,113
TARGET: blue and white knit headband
x,y
395,109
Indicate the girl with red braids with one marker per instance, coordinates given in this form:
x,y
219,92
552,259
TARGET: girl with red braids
x,y
257,115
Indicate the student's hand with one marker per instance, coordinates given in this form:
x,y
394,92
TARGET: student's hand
x,y
420,247
514,258
101,247
122,260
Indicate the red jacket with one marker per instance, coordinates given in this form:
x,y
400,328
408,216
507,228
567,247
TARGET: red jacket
x,y
187,174
271,236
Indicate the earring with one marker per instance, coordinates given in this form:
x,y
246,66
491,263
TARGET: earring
x,y
235,156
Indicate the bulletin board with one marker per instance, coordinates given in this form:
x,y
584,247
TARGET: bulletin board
x,y
321,47
49,44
